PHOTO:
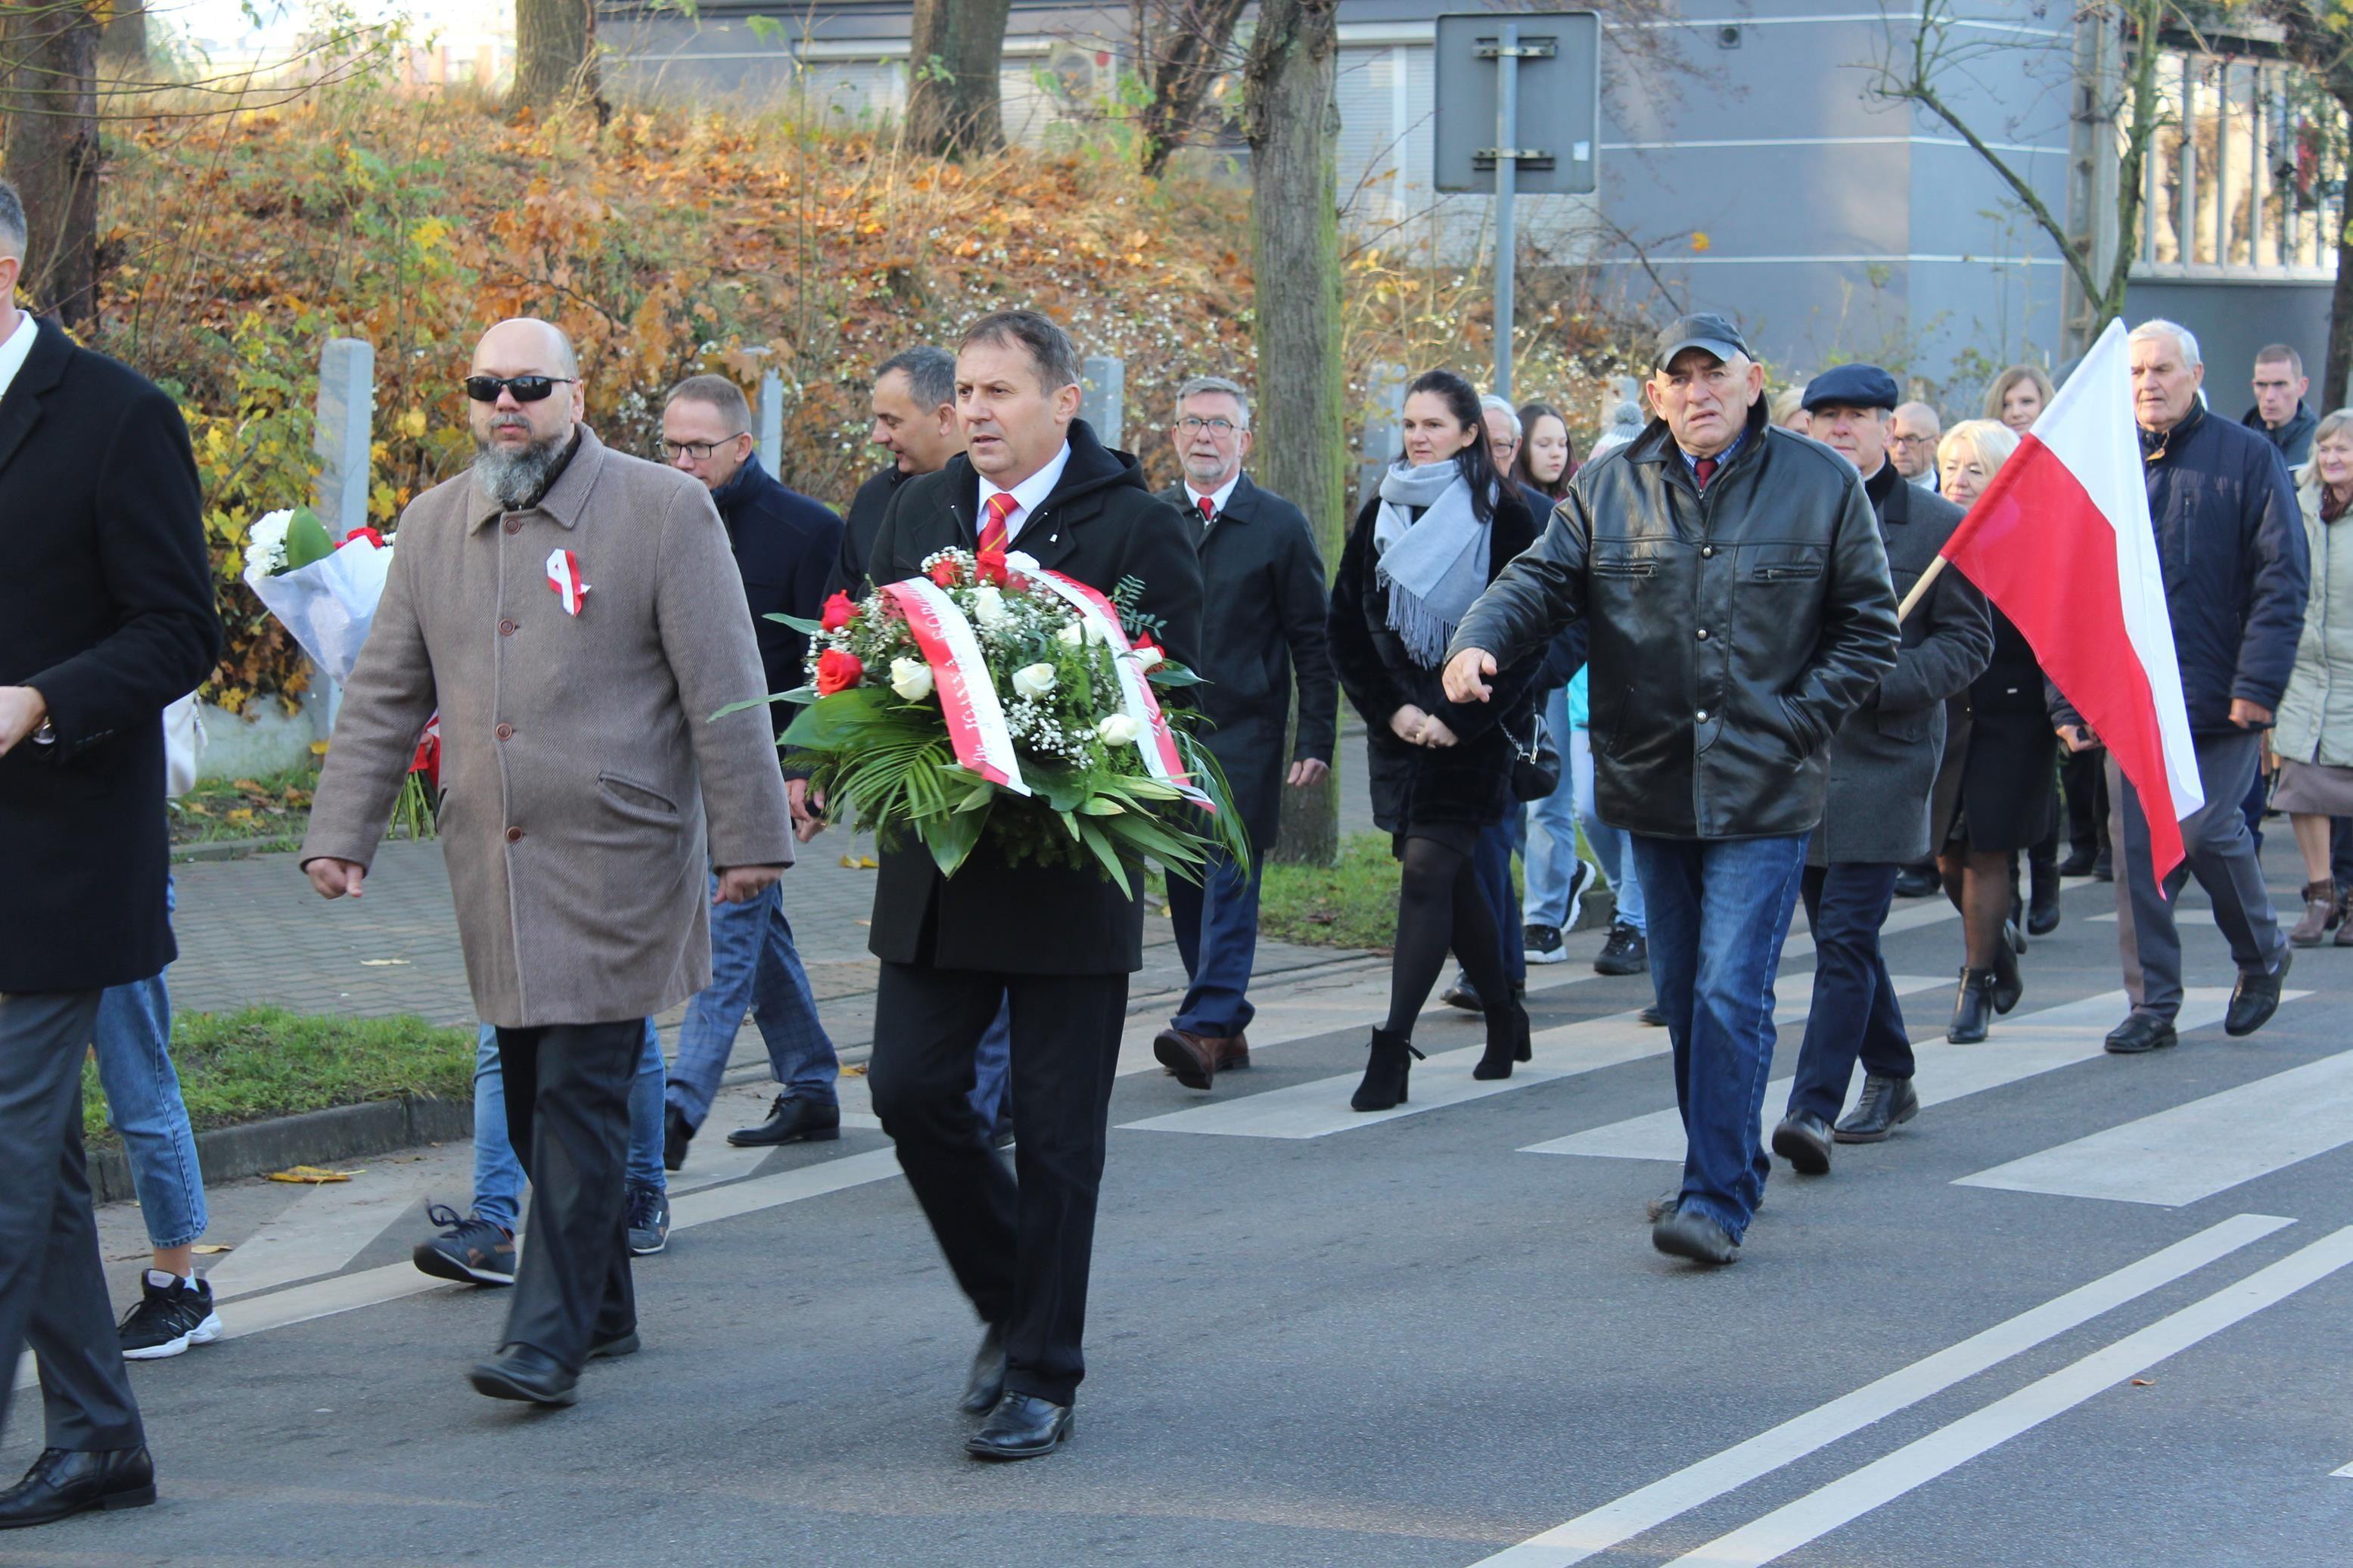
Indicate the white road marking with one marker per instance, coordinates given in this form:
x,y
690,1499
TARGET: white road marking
x,y
2194,1151
2021,1047
2346,1470
319,1232
1603,1528
1933,910
2197,915
1320,1109
1919,1462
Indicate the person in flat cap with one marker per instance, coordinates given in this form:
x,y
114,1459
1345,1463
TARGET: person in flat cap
x,y
1735,588
1884,762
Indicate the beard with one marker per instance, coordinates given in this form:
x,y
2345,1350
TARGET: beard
x,y
513,476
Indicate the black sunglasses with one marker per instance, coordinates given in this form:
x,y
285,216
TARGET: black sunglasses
x,y
526,388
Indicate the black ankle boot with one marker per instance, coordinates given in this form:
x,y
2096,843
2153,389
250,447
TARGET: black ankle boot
x,y
1972,1008
2008,988
1507,1042
2043,901
1385,1073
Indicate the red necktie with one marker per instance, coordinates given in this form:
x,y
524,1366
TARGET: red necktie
x,y
1208,511
1000,506
1703,470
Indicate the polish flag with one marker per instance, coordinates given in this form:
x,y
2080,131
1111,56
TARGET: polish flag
x,y
2060,541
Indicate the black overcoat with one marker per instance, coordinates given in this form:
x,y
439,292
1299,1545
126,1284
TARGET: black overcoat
x,y
1101,525
106,609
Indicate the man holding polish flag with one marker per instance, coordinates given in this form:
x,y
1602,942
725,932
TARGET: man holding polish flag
x,y
2154,557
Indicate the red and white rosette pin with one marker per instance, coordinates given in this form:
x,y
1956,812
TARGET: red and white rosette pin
x,y
564,578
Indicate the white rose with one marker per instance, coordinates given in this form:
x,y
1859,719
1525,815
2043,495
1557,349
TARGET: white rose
x,y
911,679
265,542
988,607
1095,633
1033,679
1071,635
1147,657
1119,730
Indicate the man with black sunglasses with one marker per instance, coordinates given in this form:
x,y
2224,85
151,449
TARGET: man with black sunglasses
x,y
577,619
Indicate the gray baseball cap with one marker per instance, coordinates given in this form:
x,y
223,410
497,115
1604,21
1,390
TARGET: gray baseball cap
x,y
1706,331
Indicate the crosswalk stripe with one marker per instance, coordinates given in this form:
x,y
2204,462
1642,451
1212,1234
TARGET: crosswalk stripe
x,y
1815,1515
2021,1047
1319,1108
321,1231
1598,1531
2193,1151
1932,912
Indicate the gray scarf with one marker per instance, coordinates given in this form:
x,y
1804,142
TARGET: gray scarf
x,y
1434,567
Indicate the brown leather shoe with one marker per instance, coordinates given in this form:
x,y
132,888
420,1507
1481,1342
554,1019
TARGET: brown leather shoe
x,y
1192,1057
2319,905
1233,1051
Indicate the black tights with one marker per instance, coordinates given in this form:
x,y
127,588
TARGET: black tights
x,y
1439,905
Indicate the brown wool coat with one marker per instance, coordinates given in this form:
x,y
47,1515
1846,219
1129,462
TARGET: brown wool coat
x,y
578,754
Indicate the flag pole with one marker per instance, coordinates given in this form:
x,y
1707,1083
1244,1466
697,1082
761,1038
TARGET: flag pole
x,y
1918,588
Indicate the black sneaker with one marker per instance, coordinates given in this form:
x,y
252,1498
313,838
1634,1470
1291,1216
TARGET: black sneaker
x,y
169,1318
1543,944
648,1220
1579,881
1626,953
470,1250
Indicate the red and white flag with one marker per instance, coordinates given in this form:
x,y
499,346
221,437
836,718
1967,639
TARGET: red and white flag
x,y
2061,541
564,576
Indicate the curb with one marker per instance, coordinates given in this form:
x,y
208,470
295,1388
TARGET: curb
x,y
313,1137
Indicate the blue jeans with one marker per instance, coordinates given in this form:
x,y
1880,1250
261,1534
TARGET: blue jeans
x,y
1719,911
1854,1012
1607,843
1550,866
992,1068
1491,862
498,1174
753,969
1216,935
133,1038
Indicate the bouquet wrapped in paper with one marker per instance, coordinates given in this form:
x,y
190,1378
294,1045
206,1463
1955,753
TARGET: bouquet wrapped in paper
x,y
323,592
987,698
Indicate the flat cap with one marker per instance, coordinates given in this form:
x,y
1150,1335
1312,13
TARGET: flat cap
x,y
1853,386
1705,330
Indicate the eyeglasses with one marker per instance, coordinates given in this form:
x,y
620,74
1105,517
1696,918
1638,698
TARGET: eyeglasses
x,y
526,388
1193,423
699,451
1913,440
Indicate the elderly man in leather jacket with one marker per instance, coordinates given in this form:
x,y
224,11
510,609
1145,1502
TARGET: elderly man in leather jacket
x,y
1738,596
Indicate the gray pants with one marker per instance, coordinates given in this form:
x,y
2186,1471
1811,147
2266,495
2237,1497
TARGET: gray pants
x,y
2219,852
52,1285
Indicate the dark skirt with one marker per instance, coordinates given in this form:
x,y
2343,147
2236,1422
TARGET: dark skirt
x,y
1413,787
2009,799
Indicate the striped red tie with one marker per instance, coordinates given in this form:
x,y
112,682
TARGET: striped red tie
x,y
992,533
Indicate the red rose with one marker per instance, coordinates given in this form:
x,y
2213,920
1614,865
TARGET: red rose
x,y
944,572
837,671
989,566
370,534
837,612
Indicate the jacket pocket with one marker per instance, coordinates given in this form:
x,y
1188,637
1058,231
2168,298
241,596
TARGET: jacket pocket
x,y
1624,566
641,803
1787,564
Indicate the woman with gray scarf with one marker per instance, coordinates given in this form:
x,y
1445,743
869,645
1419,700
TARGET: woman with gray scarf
x,y
1442,525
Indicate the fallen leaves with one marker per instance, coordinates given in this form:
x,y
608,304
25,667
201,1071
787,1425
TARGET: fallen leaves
x,y
313,1175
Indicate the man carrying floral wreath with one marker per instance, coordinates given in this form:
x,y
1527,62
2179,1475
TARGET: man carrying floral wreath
x,y
1058,938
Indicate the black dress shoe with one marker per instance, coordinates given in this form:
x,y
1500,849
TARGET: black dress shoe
x,y
2078,862
1687,1233
616,1346
2140,1032
1022,1426
1462,995
1885,1104
2256,998
527,1373
2104,868
67,1481
676,1136
985,1384
791,1119
1917,881
1804,1140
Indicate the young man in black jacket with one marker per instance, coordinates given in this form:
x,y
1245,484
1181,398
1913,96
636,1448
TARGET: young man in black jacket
x,y
913,404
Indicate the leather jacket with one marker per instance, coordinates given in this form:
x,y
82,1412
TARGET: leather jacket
x,y
1731,632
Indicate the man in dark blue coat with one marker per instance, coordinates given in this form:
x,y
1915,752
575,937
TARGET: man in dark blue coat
x,y
2232,543
784,545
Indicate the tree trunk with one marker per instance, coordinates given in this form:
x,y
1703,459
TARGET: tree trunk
x,y
2337,386
1185,57
49,147
954,50
1302,453
555,52
124,42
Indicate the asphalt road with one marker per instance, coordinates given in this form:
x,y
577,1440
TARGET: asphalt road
x,y
1318,1339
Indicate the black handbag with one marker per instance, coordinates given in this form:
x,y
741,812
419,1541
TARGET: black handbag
x,y
1535,765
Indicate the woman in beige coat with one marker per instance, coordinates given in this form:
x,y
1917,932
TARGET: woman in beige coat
x,y
2313,732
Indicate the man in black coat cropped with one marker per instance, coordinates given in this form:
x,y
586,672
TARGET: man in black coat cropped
x,y
2279,414
1884,762
106,615
913,402
1059,941
1260,570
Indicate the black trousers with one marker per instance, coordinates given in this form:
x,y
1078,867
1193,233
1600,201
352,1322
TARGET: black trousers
x,y
52,1284
1854,1012
1021,1251
568,1117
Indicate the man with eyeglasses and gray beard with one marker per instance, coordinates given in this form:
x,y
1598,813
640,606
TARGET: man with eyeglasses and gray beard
x,y
576,617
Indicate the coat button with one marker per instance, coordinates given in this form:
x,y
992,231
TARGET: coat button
x,y
514,525
505,731
1701,716
515,835
1702,633
506,629
1707,553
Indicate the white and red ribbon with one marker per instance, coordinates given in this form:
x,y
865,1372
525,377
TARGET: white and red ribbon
x,y
1159,748
976,719
564,578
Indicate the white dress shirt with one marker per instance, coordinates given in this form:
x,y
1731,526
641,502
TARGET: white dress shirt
x,y
1027,495
1217,497
16,350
